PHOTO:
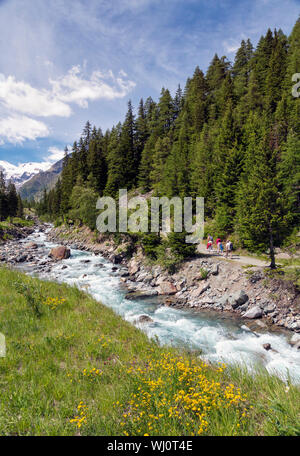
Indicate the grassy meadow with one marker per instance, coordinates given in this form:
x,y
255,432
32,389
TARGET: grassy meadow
x,y
73,367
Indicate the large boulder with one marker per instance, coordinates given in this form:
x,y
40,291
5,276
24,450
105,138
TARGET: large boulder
x,y
238,299
254,312
60,253
167,288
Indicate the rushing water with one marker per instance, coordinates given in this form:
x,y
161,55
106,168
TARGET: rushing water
x,y
221,339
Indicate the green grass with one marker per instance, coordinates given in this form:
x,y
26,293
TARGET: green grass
x,y
15,221
76,356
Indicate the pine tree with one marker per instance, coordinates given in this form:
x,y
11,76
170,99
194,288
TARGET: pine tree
x,y
3,198
97,165
12,199
289,177
276,72
241,69
20,208
262,212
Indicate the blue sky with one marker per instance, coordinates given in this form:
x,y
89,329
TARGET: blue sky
x,y
68,61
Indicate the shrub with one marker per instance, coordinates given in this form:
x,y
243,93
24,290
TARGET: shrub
x,y
32,294
203,274
176,242
150,242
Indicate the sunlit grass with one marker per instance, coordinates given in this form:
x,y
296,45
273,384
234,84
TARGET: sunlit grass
x,y
76,368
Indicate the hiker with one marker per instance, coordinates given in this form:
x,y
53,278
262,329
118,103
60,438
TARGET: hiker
x,y
218,241
209,242
209,245
221,247
229,247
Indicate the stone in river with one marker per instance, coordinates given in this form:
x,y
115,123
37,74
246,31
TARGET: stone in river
x,y
60,253
31,245
145,319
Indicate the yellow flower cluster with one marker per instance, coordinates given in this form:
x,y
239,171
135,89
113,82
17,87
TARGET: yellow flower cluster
x,y
92,374
182,394
104,341
80,419
53,303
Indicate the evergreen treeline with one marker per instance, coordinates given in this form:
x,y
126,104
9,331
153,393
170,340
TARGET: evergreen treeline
x,y
10,202
232,136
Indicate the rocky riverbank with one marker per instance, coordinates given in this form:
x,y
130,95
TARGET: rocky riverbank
x,y
202,283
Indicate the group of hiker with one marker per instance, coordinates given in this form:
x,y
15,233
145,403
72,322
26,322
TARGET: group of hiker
x,y
220,246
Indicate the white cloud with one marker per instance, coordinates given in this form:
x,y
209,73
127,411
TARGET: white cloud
x,y
23,98
73,87
55,154
70,88
231,46
17,129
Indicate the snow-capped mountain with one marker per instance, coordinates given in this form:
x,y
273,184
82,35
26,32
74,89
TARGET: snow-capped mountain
x,y
23,172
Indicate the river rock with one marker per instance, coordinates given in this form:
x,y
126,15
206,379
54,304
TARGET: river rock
x,y
200,290
295,326
60,253
167,288
267,347
140,294
238,299
144,319
254,312
21,259
295,339
31,245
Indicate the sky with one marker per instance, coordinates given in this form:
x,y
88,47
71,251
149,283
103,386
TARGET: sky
x,y
68,61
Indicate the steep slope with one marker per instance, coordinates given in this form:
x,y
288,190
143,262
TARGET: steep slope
x,y
21,173
33,188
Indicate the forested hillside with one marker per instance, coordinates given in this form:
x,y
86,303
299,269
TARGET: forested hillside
x,y
231,135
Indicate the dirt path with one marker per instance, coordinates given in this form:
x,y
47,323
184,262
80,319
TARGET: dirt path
x,y
236,258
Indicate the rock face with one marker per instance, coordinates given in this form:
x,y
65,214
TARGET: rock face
x,y
133,266
238,299
60,253
167,288
254,312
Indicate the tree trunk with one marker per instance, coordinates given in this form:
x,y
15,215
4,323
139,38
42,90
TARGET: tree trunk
x,y
272,251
